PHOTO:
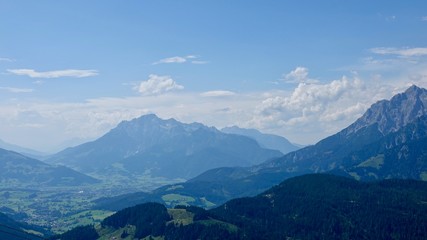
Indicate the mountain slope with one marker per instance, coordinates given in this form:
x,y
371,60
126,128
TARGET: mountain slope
x,y
376,146
386,124
388,141
162,148
393,114
20,171
269,141
24,151
331,207
12,230
314,206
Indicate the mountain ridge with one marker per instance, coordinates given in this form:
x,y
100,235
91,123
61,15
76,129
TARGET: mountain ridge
x,y
22,171
394,113
269,141
163,148
377,122
312,206
22,150
366,154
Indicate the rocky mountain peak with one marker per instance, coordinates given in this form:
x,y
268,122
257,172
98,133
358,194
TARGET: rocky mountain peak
x,y
393,114
154,126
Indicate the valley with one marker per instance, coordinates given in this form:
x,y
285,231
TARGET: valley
x,y
59,209
82,189
314,206
213,120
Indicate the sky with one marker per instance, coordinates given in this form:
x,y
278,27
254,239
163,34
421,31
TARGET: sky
x,y
72,70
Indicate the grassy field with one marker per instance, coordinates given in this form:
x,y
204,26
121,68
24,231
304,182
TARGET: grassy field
x,y
82,218
62,208
181,217
51,209
177,199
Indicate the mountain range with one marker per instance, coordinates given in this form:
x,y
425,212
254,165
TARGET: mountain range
x,y
377,143
314,206
25,151
152,146
388,141
269,141
18,170
371,189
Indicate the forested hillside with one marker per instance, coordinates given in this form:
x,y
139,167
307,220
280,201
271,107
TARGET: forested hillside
x,y
316,206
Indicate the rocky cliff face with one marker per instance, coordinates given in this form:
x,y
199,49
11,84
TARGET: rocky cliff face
x,y
391,115
378,136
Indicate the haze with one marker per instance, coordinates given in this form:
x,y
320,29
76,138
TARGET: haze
x,y
71,71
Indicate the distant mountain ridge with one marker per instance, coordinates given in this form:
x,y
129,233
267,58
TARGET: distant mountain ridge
x,y
20,171
377,129
25,151
379,121
388,141
162,148
269,141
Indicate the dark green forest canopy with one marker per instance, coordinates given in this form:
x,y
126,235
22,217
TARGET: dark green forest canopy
x,y
315,206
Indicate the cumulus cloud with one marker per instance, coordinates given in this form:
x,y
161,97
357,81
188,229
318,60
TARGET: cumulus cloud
x,y
333,115
308,103
17,90
158,84
217,93
54,74
403,52
179,59
299,75
304,114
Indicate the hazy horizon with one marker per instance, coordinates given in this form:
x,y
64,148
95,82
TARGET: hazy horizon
x,y
303,70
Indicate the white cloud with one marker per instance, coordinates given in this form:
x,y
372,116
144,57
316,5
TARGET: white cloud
x,y
158,84
403,52
343,113
305,114
315,108
2,59
54,74
172,60
178,59
424,18
17,90
94,117
299,75
217,93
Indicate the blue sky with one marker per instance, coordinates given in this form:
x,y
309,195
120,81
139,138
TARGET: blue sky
x,y
71,70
